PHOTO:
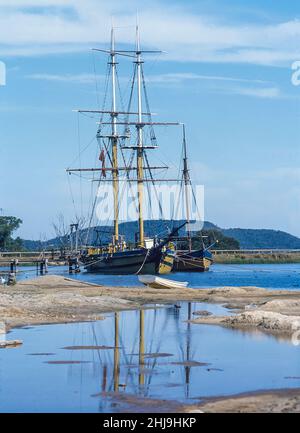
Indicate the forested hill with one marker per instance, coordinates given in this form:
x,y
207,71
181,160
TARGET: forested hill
x,y
262,238
247,238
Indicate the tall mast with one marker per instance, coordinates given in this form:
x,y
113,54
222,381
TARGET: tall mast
x,y
114,138
187,184
140,174
137,85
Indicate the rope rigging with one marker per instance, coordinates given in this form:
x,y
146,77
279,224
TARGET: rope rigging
x,y
106,143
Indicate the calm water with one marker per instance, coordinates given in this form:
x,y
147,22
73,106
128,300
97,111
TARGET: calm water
x,y
238,362
275,276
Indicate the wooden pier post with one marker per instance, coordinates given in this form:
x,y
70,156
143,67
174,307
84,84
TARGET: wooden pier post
x,y
46,266
12,279
70,265
41,267
77,267
13,266
73,265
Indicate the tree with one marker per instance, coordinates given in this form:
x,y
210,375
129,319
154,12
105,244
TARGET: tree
x,y
219,240
214,239
63,231
8,225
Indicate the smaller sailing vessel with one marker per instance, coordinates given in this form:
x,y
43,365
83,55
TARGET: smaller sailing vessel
x,y
193,260
189,259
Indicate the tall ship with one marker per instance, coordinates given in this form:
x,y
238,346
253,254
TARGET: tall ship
x,y
125,137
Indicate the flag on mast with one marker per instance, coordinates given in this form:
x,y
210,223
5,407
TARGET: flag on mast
x,y
102,159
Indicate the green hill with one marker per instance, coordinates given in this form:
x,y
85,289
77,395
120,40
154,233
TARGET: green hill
x,y
263,238
246,238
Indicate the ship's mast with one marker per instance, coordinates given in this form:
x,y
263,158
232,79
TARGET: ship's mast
x,y
140,123
187,184
140,174
114,139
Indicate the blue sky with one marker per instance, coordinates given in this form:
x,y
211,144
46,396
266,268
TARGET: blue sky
x,y
226,74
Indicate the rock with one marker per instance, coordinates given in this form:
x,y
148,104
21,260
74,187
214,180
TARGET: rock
x,y
266,320
232,306
12,343
12,281
202,313
2,328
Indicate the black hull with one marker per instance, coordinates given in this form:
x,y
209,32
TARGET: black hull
x,y
194,261
123,263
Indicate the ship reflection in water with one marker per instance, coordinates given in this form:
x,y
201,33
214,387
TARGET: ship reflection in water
x,y
115,364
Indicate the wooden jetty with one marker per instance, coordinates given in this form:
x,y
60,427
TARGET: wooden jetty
x,y
42,260
28,257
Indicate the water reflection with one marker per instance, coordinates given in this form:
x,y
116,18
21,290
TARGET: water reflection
x,y
154,353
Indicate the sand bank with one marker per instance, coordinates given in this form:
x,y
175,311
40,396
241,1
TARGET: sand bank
x,y
277,401
268,321
55,299
273,401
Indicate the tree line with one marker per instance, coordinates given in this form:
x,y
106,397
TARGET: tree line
x,y
8,226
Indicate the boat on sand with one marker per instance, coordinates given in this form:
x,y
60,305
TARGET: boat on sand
x,y
161,283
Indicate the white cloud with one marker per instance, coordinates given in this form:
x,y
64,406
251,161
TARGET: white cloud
x,y
159,78
34,3
186,36
2,74
177,78
67,78
187,76
258,92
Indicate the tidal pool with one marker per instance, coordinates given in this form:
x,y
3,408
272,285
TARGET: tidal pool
x,y
155,353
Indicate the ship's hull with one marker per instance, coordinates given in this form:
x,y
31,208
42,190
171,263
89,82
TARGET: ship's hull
x,y
193,261
139,261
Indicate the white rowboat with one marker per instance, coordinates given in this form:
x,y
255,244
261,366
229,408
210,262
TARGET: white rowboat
x,y
161,283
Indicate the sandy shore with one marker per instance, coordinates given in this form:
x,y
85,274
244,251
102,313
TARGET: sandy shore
x,y
55,299
277,401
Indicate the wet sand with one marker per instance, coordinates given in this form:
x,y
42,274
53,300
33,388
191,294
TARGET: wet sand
x,y
274,401
55,299
277,401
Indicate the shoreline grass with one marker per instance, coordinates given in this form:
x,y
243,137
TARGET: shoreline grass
x,y
251,259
